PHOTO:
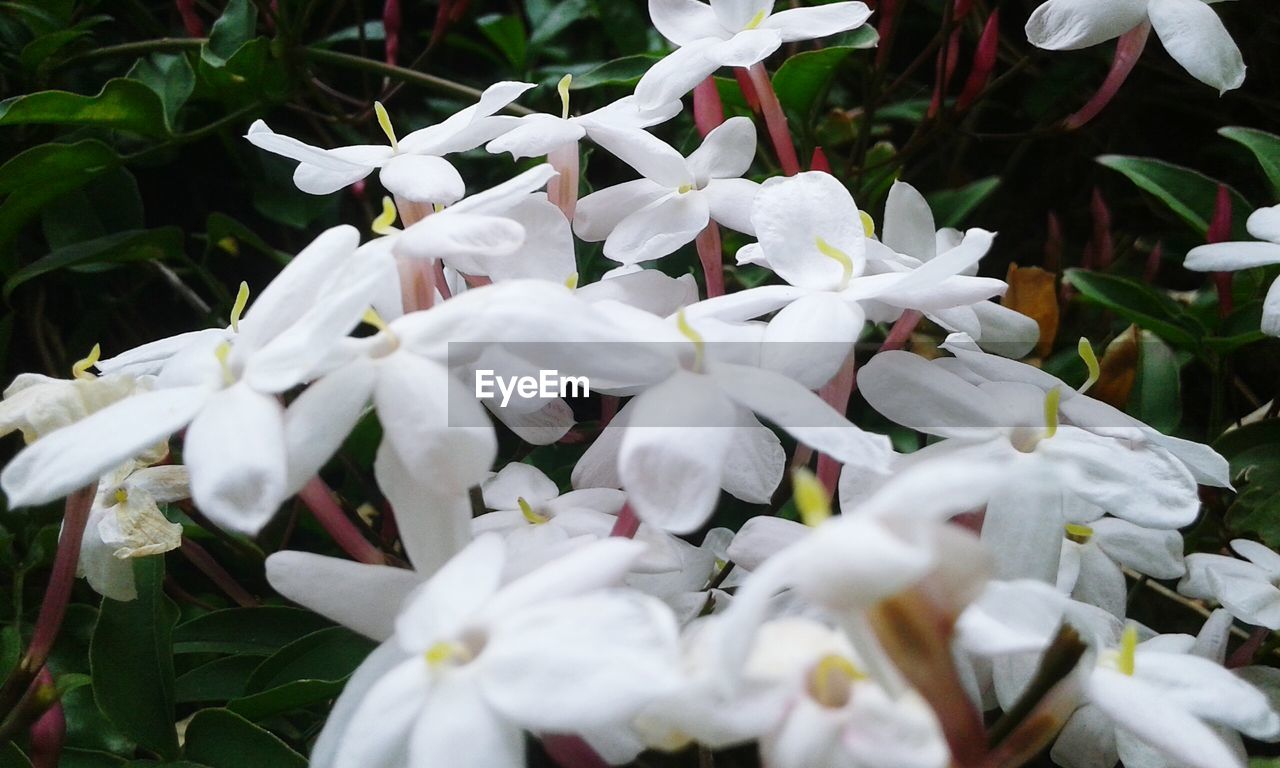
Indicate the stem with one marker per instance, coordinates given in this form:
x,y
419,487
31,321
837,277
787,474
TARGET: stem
x,y
708,110
563,189
49,732
775,119
140,46
56,597
1128,50
1243,656
711,255
627,523
319,499
405,75
836,394
901,331
205,563
570,751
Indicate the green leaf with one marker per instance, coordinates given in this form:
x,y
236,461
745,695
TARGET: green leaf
x,y
42,48
219,738
625,71
220,680
88,758
1254,453
109,203
308,671
1189,194
1264,146
1137,302
1156,398
42,174
802,79
122,104
506,32
255,631
171,77
131,657
952,207
12,757
557,19
232,30
117,248
253,73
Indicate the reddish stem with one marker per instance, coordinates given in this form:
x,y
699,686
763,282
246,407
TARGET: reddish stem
x,y
711,254
748,89
1243,656
1220,231
1154,258
568,751
708,110
775,119
1128,50
391,27
901,331
1104,249
627,523
836,394
888,10
984,62
58,593
50,731
563,189
319,499
819,161
204,562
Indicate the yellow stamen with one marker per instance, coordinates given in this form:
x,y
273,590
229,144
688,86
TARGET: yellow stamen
x,y
838,256
384,122
121,495
1051,400
755,20
1091,361
372,317
699,345
443,652
563,89
812,501
437,207
831,678
684,189
223,353
1128,649
572,282
868,223
237,309
80,369
531,514
1080,534
383,225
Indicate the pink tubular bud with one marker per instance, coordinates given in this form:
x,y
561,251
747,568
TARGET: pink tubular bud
x,y
1219,231
708,111
984,62
1103,244
391,29
819,161
190,21
50,731
1128,49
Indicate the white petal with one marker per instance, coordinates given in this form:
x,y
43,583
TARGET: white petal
x,y
734,15
315,180
468,128
1229,257
459,238
790,215
650,156
598,213
915,393
547,253
377,734
1194,36
458,727
517,481
235,450
1271,311
1023,525
1263,224
1155,553
908,223
451,599
78,454
810,339
683,21
746,48
422,179
1101,582
798,24
1065,25
755,462
677,73
319,420
382,661
263,137
536,135
1087,741
727,151
762,537
364,598
951,263
658,229
730,201
1208,690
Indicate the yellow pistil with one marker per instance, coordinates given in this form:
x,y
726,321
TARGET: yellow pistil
x,y
383,224
571,282
755,20
1051,400
223,353
684,189
437,207
1091,361
444,652
868,223
811,498
531,514
80,369
838,256
563,89
121,495
1080,534
699,345
1128,650
371,317
831,680
237,308
384,122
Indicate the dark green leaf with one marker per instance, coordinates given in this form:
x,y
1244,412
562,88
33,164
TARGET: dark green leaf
x,y
952,207
88,758
1264,146
506,32
625,71
132,661
331,654
557,19
171,77
1189,194
220,680
222,739
255,631
12,757
1156,398
122,104
1137,302
118,248
109,203
39,50
802,79
233,29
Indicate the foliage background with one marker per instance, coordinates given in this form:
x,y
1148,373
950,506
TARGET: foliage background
x,y
131,207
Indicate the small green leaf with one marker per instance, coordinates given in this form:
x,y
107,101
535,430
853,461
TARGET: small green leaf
x,y
802,79
625,71
557,19
951,207
255,631
310,670
171,77
233,29
131,657
507,33
220,680
1189,194
122,104
1156,398
1137,302
1264,146
117,248
219,738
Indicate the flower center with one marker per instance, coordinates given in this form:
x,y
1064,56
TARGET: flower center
x,y
1128,650
831,681
1080,534
371,317
223,353
1025,439
455,653
571,282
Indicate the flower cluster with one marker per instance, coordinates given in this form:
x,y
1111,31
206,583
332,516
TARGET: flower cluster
x,y
983,572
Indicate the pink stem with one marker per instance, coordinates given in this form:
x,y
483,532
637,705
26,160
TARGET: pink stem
x,y
901,331
711,255
190,21
50,731
563,189
748,89
608,409
319,499
439,282
205,563
1104,248
627,523
1220,231
836,394
1243,656
708,111
819,161
888,25
58,593
1128,50
775,119
568,751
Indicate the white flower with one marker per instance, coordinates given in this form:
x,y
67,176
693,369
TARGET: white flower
x,y
473,663
542,134
1094,548
37,405
413,167
651,217
1246,588
1263,224
731,33
1190,31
